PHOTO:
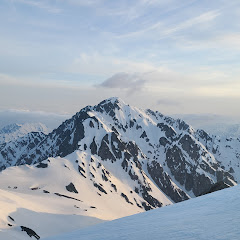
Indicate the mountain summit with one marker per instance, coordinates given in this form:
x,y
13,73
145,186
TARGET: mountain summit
x,y
171,152
112,160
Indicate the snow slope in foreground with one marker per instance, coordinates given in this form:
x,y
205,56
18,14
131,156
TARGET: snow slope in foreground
x,y
47,215
213,216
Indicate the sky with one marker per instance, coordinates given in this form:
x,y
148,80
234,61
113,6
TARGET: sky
x,y
177,57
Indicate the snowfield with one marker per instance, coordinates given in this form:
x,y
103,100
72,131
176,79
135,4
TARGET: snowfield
x,y
46,215
39,196
213,216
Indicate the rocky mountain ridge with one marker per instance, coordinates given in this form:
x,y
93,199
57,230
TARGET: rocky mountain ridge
x,y
182,162
109,161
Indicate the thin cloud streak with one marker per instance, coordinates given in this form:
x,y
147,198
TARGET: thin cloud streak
x,y
164,31
39,4
203,18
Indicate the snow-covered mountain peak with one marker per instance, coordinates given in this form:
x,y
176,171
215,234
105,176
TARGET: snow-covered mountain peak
x,y
113,156
113,100
110,105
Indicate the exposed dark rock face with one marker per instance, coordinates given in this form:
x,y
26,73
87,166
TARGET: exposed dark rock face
x,y
42,165
133,149
66,143
177,164
62,195
104,151
117,145
131,123
143,135
153,202
164,182
190,146
80,169
182,125
146,206
137,203
126,198
30,232
132,175
185,173
93,147
108,107
163,141
99,188
216,187
136,190
169,132
11,218
104,175
203,135
114,187
91,125
198,183
71,188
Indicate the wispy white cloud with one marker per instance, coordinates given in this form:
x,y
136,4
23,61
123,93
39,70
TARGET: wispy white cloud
x,y
143,31
106,65
163,30
43,4
90,3
220,49
203,18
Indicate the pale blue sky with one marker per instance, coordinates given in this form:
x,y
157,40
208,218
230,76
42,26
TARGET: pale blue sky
x,y
173,56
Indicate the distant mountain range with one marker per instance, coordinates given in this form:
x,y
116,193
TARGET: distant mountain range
x,y
214,124
14,131
113,160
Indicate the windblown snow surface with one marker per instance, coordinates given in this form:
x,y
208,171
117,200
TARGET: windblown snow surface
x,y
212,216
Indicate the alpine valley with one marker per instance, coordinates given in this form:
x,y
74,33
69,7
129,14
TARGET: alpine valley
x,y
108,161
